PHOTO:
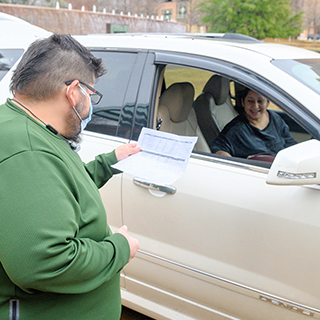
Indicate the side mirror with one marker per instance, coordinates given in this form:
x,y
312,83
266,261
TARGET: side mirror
x,y
296,165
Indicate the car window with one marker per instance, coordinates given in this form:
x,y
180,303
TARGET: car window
x,y
8,57
296,131
175,114
110,116
215,102
196,77
306,71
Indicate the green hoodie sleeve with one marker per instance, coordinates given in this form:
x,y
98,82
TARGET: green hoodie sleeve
x,y
100,169
53,231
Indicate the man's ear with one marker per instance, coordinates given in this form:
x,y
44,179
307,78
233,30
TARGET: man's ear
x,y
71,93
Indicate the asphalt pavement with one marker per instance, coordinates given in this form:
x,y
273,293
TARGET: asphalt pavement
x,y
128,314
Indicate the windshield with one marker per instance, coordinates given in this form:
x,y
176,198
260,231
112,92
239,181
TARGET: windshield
x,y
8,57
306,71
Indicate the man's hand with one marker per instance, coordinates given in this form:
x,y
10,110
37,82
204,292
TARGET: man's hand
x,y
133,242
125,150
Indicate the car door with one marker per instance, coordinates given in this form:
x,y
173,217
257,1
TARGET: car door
x,y
226,244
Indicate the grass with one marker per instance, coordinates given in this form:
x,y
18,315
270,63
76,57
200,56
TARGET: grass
x,y
181,74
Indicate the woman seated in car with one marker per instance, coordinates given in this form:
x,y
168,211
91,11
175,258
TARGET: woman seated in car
x,y
255,131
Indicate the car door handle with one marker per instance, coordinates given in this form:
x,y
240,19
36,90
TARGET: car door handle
x,y
149,185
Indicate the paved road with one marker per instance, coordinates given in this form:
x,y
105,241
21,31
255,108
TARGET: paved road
x,y
128,314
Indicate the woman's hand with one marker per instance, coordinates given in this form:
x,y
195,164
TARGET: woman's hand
x,y
125,150
223,153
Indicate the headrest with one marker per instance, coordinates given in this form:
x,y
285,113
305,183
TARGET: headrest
x,y
178,98
219,87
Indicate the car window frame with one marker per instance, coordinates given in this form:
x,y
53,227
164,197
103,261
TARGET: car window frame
x,y
248,78
287,103
146,95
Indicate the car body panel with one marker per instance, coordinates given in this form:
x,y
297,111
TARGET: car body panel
x,y
233,243
18,32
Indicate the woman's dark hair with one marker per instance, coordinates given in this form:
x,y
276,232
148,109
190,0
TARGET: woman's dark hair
x,y
49,62
243,93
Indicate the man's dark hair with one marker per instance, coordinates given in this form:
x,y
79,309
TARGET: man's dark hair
x,y
49,62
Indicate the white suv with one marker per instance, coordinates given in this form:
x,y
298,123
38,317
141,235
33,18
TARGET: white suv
x,y
232,238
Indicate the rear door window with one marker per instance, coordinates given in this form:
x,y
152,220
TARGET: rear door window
x,y
113,85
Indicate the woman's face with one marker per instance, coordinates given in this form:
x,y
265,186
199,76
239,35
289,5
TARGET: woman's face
x,y
255,105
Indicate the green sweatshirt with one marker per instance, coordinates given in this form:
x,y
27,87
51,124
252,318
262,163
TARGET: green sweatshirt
x,y
58,257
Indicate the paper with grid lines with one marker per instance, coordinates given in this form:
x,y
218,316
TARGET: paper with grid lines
x,y
163,157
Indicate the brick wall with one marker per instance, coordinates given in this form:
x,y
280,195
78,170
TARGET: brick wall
x,y
78,22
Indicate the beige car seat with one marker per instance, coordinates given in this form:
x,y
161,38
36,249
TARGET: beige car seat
x,y
176,115
214,108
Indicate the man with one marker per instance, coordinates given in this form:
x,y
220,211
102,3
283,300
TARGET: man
x,y
58,257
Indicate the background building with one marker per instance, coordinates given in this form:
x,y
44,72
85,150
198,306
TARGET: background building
x,y
183,11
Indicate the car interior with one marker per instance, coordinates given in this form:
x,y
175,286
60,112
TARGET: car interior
x,y
188,101
178,115
204,114
214,108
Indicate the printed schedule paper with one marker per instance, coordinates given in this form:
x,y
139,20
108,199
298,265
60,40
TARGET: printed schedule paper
x,y
163,157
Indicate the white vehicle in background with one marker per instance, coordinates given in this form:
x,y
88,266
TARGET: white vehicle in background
x,y
16,36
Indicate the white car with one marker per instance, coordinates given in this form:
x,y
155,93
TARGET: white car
x,y
232,238
16,36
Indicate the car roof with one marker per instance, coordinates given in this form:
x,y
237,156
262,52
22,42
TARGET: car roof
x,y
18,33
245,53
212,45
